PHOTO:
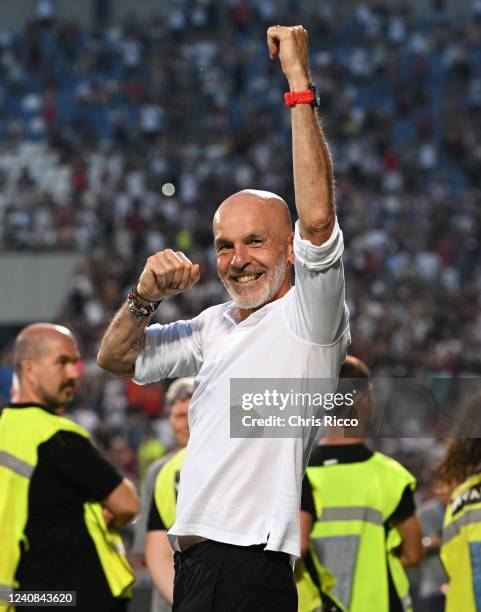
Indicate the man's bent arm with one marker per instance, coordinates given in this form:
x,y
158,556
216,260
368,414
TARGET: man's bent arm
x,y
313,173
166,273
122,343
411,550
123,503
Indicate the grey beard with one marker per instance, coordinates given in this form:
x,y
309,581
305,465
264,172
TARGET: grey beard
x,y
271,287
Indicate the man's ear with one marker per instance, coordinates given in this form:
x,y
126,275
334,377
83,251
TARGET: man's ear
x,y
27,368
290,249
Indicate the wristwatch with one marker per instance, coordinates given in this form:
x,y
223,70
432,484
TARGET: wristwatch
x,y
310,96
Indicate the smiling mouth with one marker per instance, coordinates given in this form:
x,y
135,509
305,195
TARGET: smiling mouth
x,y
247,279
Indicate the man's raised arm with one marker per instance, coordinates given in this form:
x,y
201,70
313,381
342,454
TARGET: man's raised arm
x,y
313,176
166,273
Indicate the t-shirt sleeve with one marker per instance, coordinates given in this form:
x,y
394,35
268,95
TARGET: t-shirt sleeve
x,y
155,523
170,351
307,499
405,508
318,312
75,458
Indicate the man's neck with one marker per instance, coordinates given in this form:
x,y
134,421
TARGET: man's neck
x,y
26,396
331,441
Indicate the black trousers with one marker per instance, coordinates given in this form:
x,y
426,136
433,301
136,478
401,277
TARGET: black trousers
x,y
216,577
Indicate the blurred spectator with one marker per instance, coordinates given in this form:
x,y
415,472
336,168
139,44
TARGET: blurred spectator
x,y
150,449
121,455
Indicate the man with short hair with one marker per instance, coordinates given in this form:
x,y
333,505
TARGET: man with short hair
x,y
237,521
56,488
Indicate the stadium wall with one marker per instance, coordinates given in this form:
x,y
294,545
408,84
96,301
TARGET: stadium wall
x,y
34,287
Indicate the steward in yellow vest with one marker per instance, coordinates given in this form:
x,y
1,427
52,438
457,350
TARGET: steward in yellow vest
x,y
360,496
460,472
363,520
54,486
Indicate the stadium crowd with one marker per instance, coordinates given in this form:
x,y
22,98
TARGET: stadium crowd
x,y
116,141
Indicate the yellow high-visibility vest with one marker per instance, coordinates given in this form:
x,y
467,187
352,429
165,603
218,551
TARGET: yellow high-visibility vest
x,y
309,592
461,549
353,502
22,431
165,489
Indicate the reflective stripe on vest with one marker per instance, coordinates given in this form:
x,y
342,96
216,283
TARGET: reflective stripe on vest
x,y
22,468
407,602
118,547
452,530
351,513
339,555
5,591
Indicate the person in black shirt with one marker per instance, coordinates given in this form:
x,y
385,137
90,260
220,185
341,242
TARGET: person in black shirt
x,y
58,551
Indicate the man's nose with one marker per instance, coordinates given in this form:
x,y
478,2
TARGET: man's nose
x,y
240,258
72,370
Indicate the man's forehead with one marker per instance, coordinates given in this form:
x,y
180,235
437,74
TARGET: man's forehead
x,y
180,406
246,218
61,344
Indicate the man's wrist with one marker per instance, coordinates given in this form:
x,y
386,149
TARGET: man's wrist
x,y
141,307
143,300
299,82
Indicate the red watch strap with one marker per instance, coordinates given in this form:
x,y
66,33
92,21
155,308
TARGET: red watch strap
x,y
291,98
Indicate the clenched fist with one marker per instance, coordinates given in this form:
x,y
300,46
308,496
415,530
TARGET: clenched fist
x,y
289,44
166,273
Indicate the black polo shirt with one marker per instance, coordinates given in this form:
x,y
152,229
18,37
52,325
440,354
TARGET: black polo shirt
x,y
155,522
61,554
353,453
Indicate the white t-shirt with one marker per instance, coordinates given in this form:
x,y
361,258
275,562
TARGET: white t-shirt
x,y
247,490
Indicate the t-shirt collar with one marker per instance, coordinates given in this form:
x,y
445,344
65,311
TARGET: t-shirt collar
x,y
331,454
231,313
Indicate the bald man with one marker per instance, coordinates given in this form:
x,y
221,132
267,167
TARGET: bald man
x,y
54,486
237,521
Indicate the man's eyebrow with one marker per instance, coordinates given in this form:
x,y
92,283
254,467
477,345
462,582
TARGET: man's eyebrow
x,y
64,357
218,241
251,236
255,235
